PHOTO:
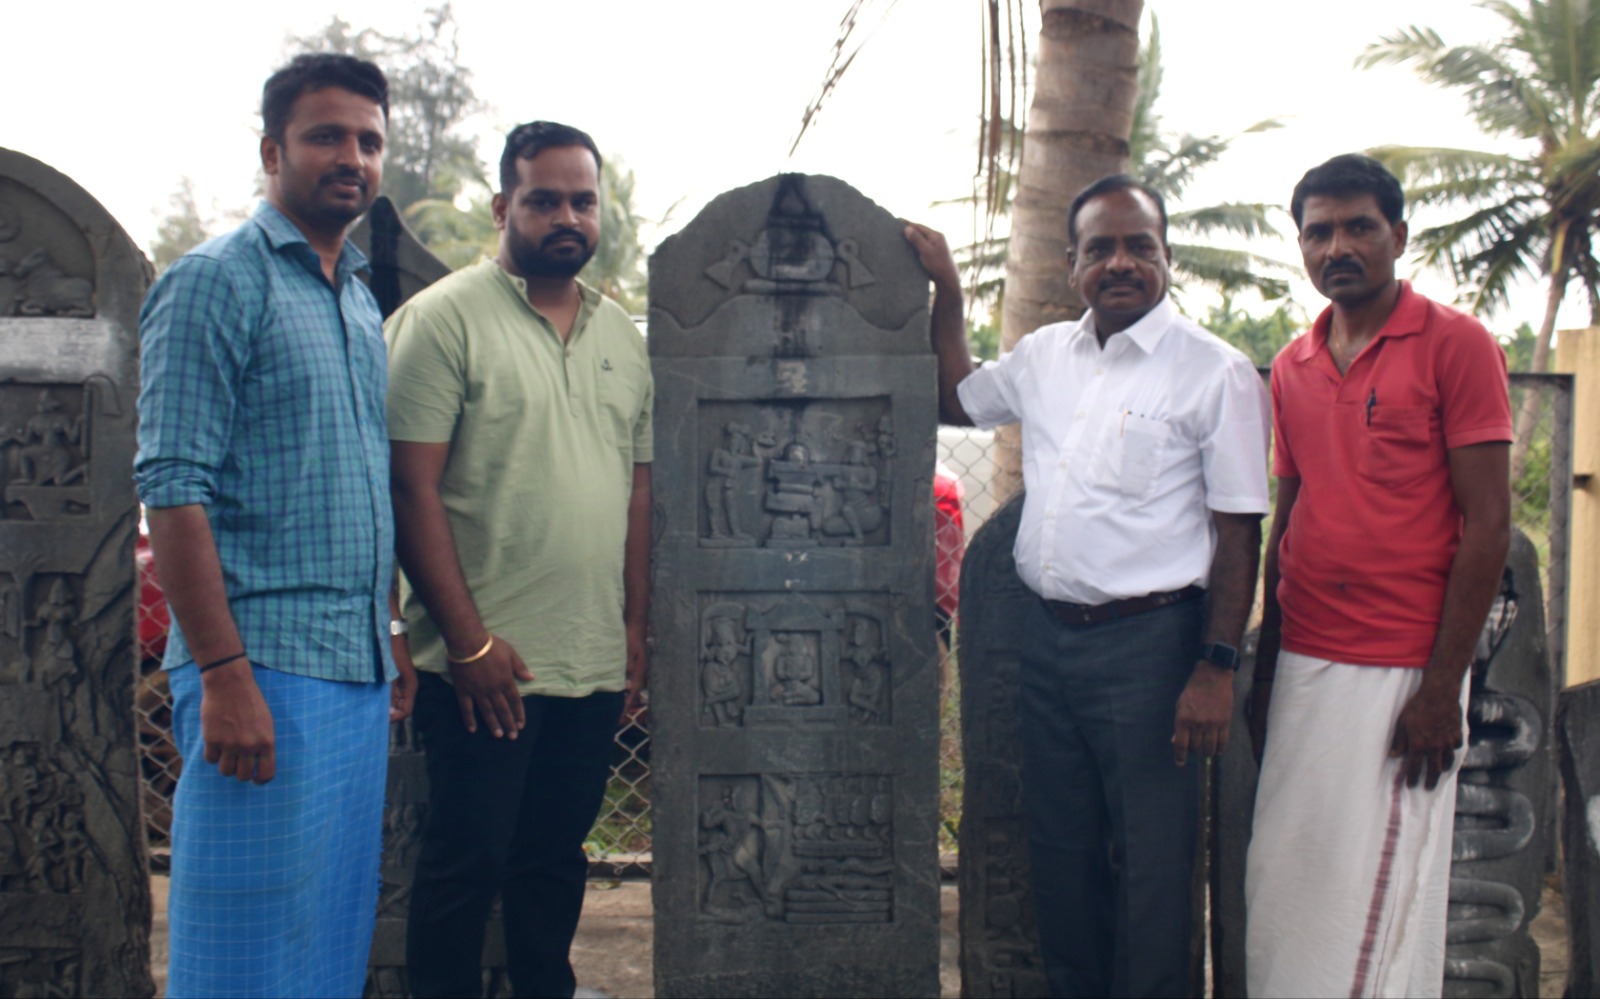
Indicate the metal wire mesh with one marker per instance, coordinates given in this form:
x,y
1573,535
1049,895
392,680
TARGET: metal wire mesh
x,y
619,844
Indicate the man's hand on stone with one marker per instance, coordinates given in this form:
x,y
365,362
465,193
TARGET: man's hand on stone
x,y
934,252
1205,712
1428,732
487,688
236,724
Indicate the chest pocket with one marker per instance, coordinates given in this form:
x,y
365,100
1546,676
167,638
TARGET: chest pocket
x,y
619,388
1396,445
1135,453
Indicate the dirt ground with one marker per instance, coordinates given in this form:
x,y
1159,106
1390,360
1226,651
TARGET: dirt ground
x,y
612,951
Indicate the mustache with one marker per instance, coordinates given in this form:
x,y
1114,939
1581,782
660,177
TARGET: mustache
x,y
1109,283
1342,267
560,234
340,175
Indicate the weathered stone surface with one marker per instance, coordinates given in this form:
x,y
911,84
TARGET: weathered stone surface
x,y
999,942
794,689
1503,796
1578,736
399,265
74,891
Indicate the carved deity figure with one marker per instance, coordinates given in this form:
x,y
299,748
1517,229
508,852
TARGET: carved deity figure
x,y
850,507
723,470
58,657
794,672
47,440
730,842
869,665
719,681
792,498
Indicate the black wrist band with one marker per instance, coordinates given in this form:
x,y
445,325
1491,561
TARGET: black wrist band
x,y
225,660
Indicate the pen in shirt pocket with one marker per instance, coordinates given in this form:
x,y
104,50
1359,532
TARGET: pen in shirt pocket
x,y
1372,403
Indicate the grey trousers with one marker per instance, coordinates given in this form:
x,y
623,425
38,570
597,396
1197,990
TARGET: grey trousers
x,y
1111,820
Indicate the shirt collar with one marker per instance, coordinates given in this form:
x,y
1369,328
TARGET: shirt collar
x,y
282,234
1145,334
1409,315
518,286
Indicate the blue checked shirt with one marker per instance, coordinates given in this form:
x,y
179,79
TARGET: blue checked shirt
x,y
261,398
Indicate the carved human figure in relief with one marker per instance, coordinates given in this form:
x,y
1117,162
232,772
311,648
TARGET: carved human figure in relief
x,y
730,842
723,471
869,666
47,440
719,681
794,672
57,657
850,508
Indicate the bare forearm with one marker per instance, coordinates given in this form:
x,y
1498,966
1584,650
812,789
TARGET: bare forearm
x,y
636,553
954,354
1233,577
1469,590
191,579
426,550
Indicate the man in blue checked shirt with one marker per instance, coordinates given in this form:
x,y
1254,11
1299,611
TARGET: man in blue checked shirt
x,y
263,462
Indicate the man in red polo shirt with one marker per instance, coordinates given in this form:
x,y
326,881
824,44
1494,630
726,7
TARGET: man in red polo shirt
x,y
1388,541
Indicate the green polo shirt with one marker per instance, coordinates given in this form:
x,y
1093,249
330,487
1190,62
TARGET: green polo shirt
x,y
544,437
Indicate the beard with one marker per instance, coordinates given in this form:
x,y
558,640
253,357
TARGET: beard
x,y
537,260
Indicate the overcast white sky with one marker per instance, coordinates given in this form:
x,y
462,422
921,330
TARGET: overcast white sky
x,y
700,96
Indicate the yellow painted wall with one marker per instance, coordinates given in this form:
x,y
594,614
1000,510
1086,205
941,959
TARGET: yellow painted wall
x,y
1578,353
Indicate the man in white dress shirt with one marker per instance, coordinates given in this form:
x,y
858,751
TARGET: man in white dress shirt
x,y
1144,445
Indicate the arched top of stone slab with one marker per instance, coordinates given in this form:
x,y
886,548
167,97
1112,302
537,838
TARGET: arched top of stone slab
x,y
399,265
794,237
62,255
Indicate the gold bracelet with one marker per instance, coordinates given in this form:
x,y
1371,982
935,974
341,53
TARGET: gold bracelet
x,y
475,656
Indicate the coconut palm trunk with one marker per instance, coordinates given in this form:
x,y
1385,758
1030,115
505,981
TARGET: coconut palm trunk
x,y
1078,129
1533,403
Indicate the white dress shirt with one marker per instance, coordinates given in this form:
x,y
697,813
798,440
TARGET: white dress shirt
x,y
1126,450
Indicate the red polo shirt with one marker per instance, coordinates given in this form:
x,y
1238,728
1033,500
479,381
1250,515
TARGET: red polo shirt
x,y
1375,527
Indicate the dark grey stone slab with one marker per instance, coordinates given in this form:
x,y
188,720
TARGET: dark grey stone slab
x,y
1578,736
999,942
794,687
74,887
399,265
1503,795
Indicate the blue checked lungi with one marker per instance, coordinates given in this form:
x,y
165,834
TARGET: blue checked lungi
x,y
275,887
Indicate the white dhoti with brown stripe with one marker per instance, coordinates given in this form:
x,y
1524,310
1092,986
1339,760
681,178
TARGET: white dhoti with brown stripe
x,y
1348,877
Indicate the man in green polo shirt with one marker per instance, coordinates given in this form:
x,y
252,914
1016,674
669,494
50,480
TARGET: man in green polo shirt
x,y
519,425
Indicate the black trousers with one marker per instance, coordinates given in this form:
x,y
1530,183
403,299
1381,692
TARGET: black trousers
x,y
506,817
1111,819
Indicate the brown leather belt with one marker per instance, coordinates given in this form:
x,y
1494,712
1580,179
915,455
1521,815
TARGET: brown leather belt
x,y
1080,615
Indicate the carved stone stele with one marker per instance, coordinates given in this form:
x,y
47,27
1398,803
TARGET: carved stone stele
x,y
74,887
794,720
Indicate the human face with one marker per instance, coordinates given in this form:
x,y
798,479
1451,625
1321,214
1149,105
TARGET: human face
x,y
1349,248
328,168
1120,263
550,225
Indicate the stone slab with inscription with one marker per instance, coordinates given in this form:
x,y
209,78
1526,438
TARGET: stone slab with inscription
x,y
794,685
74,890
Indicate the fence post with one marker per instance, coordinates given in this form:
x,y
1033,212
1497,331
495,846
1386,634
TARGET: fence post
x,y
1578,353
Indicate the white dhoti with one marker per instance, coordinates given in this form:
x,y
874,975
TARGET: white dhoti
x,y
1348,876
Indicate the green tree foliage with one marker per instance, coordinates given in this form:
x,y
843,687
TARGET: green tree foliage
x,y
1259,337
181,229
430,96
1531,205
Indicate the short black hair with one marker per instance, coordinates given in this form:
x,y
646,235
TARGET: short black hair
x,y
1107,185
1347,175
315,71
532,138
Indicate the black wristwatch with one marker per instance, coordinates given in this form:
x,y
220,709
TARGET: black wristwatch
x,y
1217,654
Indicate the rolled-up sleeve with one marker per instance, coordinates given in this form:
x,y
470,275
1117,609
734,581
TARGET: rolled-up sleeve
x,y
190,358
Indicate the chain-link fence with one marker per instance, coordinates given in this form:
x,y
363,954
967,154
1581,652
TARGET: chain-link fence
x,y
619,844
